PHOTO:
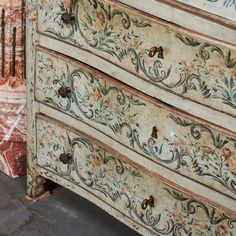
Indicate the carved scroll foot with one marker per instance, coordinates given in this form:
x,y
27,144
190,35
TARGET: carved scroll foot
x,y
36,186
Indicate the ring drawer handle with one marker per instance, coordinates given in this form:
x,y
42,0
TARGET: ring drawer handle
x,y
148,202
154,50
68,18
64,91
66,158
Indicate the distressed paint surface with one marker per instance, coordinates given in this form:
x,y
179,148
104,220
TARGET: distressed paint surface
x,y
183,216
190,67
31,37
223,8
125,187
186,146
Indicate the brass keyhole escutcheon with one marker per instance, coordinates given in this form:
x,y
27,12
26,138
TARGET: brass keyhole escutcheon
x,y
154,50
148,202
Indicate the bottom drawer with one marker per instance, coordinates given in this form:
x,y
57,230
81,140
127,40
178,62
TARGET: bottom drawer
x,y
143,198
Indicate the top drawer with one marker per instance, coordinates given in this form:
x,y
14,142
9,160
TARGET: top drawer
x,y
159,52
222,8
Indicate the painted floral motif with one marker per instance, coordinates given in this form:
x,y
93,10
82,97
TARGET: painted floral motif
x,y
114,180
187,146
204,73
225,89
31,12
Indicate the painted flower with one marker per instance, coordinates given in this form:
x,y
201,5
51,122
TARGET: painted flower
x,y
179,217
45,141
101,18
201,226
135,43
234,73
216,70
95,162
111,174
179,142
62,139
49,62
206,150
42,73
232,165
99,21
226,153
50,130
96,94
188,67
129,119
221,230
66,3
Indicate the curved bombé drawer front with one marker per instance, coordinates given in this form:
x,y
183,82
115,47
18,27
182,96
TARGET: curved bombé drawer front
x,y
178,141
154,50
143,198
223,8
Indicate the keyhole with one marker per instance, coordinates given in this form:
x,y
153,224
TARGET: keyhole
x,y
154,132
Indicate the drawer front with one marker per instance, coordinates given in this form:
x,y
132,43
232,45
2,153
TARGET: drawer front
x,y
143,198
153,50
160,133
224,8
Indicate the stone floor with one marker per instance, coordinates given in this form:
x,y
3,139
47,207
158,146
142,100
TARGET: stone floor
x,y
64,214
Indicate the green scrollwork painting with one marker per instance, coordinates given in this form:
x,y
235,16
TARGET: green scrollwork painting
x,y
193,68
190,148
111,178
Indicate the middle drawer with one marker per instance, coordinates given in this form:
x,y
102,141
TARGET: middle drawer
x,y
169,137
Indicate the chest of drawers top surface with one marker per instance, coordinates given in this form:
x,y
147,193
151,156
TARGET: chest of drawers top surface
x,y
223,8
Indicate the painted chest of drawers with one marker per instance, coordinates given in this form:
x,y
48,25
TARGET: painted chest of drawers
x,y
132,106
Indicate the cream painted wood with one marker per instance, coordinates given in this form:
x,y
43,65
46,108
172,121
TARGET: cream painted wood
x,y
185,185
224,8
168,10
95,200
208,203
152,129
198,110
87,163
170,58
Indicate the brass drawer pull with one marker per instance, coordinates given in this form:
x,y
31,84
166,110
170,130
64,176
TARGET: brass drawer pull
x,y
66,158
148,202
68,18
64,91
154,50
